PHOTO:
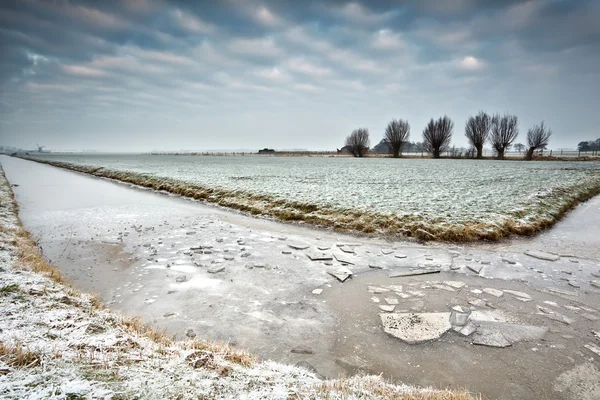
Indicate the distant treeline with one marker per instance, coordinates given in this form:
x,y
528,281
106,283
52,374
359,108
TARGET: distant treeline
x,y
589,146
500,131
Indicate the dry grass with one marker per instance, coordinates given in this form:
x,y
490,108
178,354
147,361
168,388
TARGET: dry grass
x,y
236,356
28,254
12,288
16,355
137,326
30,258
374,387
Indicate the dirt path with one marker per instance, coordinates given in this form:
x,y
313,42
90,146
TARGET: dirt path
x,y
199,270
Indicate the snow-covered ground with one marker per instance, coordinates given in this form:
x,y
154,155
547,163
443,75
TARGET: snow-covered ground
x,y
464,196
144,253
58,343
464,189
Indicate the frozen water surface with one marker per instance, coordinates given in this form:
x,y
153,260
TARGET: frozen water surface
x,y
454,190
281,305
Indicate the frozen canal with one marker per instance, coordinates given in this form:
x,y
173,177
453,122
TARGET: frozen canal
x,y
514,325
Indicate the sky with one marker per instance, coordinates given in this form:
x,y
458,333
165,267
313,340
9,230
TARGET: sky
x,y
168,75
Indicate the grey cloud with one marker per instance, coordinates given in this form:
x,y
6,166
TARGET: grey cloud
x,y
158,62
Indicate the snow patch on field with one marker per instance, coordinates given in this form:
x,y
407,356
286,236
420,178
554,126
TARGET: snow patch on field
x,y
455,190
452,200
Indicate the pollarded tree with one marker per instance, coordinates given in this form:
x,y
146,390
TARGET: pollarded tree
x,y
477,130
537,138
396,134
504,132
437,135
358,142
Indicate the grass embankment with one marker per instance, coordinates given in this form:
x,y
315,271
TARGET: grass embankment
x,y
56,342
542,212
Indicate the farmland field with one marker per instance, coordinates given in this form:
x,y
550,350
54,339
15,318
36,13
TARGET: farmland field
x,y
430,199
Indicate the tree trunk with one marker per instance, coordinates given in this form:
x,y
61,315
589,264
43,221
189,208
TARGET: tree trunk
x,y
436,153
479,151
501,154
529,155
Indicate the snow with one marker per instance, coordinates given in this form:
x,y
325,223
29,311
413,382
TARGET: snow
x,y
465,190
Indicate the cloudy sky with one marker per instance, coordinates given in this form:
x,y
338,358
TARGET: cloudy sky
x,y
140,75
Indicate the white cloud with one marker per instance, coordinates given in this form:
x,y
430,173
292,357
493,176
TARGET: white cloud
x,y
470,63
142,6
446,6
50,87
199,86
191,23
126,63
306,87
230,82
454,37
267,18
299,35
206,53
274,74
522,14
394,88
80,70
355,12
347,58
347,84
35,58
264,47
223,78
541,71
160,56
352,60
305,67
387,40
114,62
93,17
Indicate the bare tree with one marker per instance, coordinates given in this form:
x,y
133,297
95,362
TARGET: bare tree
x,y
477,130
504,132
437,135
519,147
358,142
537,138
396,134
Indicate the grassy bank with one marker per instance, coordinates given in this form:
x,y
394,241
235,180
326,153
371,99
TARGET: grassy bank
x,y
542,211
56,342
